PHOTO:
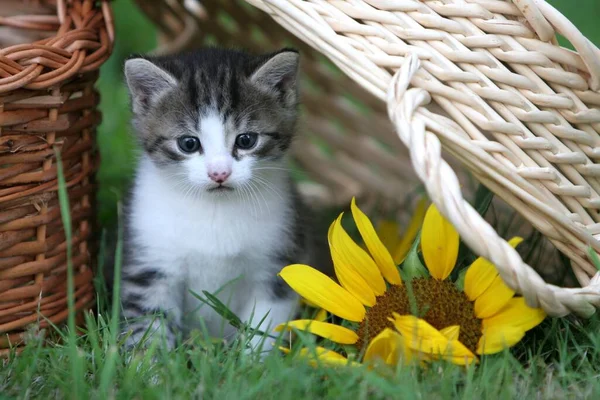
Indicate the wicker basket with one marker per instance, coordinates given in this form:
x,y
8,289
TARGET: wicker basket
x,y
50,52
483,80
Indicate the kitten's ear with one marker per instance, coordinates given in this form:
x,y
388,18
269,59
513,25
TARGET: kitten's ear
x,y
146,82
279,74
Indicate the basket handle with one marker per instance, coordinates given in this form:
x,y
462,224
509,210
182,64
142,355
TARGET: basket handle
x,y
406,109
545,19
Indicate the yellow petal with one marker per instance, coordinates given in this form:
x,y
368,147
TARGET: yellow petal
x,y
334,362
451,332
493,299
408,237
335,333
321,355
420,336
389,347
347,275
316,351
479,278
482,273
411,326
352,257
323,291
454,352
516,314
380,254
389,233
439,243
515,241
498,338
321,315
457,353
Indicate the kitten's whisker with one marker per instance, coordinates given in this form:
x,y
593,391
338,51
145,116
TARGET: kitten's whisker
x,y
251,200
181,185
245,195
198,192
270,189
261,195
271,168
267,185
189,192
247,192
254,201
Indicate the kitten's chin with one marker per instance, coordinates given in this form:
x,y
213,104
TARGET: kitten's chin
x,y
220,189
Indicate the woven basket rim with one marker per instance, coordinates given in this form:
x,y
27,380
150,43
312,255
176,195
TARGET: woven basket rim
x,y
53,53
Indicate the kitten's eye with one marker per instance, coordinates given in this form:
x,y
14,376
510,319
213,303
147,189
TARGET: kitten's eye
x,y
246,141
188,144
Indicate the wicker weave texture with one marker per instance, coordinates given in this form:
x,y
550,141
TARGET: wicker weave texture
x,y
50,52
484,80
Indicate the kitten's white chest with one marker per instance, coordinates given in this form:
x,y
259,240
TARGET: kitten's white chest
x,y
203,244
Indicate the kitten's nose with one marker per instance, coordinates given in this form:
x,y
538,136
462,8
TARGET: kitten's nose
x,y
218,168
219,175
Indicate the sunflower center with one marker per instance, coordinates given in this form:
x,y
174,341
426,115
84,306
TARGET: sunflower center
x,y
439,303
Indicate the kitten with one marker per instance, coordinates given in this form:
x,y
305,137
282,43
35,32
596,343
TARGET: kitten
x,y
213,200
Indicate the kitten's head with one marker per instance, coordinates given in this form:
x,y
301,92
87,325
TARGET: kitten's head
x,y
215,119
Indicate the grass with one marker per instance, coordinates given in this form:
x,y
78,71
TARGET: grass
x,y
559,359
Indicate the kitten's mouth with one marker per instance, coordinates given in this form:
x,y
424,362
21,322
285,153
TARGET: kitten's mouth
x,y
220,188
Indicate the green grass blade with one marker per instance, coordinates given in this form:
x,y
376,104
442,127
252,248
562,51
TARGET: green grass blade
x,y
108,373
93,339
65,213
217,305
77,369
116,300
99,278
109,368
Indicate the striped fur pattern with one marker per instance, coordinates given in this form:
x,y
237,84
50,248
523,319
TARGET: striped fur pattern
x,y
213,206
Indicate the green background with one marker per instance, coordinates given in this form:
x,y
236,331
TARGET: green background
x,y
136,34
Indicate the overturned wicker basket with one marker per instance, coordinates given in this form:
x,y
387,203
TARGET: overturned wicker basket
x,y
483,79
50,52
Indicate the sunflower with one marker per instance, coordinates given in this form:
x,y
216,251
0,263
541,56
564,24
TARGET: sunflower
x,y
426,318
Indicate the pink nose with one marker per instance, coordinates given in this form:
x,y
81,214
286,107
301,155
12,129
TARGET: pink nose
x,y
219,176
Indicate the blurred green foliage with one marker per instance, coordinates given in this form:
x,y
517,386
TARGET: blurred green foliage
x,y
584,14
136,34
